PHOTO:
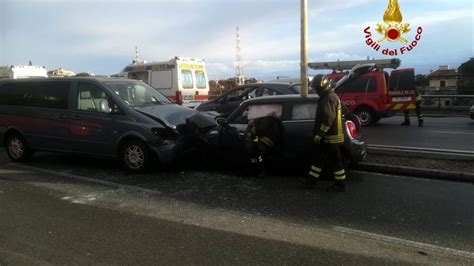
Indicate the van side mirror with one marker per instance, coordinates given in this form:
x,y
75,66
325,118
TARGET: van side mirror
x,y
222,121
104,106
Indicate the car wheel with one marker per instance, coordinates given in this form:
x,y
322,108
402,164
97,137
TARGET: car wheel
x,y
366,116
17,148
135,156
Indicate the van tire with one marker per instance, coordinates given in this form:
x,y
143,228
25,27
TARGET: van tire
x,y
135,156
17,148
366,116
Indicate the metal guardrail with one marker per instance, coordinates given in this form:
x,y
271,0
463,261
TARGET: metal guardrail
x,y
447,102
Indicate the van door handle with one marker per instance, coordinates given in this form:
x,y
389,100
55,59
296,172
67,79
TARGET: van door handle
x,y
63,116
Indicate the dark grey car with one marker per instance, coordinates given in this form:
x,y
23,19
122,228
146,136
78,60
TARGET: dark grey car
x,y
298,115
114,118
227,102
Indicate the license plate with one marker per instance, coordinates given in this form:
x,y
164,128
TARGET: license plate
x,y
401,99
188,97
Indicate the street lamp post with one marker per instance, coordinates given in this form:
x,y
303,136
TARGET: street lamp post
x,y
304,48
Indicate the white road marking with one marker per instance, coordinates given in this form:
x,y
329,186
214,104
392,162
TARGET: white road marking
x,y
87,179
404,242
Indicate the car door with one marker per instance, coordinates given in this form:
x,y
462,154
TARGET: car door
x,y
298,124
44,116
92,131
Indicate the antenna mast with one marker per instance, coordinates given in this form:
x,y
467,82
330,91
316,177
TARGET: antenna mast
x,y
239,70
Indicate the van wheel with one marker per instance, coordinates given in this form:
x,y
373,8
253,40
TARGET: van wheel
x,y
135,156
366,116
17,148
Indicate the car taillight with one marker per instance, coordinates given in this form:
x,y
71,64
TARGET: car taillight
x,y
352,129
179,97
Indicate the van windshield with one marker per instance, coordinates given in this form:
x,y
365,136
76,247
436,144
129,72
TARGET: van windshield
x,y
137,94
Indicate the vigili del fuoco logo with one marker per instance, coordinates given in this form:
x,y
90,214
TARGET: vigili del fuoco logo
x,y
394,31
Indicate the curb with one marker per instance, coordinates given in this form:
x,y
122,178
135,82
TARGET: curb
x,y
416,172
424,153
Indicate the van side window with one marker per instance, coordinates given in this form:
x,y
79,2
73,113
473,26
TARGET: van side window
x,y
36,94
11,95
89,97
56,94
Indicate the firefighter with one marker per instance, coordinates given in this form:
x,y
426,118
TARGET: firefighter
x,y
262,134
419,115
328,136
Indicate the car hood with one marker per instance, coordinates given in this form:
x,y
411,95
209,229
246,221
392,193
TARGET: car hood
x,y
174,115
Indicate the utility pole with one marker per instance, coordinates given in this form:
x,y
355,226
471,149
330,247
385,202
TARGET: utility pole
x,y
239,70
304,48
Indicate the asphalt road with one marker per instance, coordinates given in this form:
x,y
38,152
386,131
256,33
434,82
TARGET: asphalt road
x,y
437,213
37,228
453,133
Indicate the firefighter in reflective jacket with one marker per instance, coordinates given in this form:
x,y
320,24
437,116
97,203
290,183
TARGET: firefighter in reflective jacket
x,y
263,133
419,115
328,136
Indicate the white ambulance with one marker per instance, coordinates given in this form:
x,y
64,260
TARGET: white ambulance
x,y
181,79
22,71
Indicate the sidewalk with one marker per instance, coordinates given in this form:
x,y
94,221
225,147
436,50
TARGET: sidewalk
x,y
454,170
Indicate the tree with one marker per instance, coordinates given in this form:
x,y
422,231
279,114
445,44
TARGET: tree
x,y
466,84
421,80
467,68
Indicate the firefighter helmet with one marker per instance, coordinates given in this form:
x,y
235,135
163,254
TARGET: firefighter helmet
x,y
320,83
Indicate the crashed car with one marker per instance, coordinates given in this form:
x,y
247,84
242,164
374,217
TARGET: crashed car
x,y
112,118
227,102
294,149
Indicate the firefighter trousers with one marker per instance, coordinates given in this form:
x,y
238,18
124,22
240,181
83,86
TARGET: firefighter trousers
x,y
419,115
327,155
257,147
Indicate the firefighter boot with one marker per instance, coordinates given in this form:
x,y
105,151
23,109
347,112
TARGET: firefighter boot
x,y
338,186
420,123
406,123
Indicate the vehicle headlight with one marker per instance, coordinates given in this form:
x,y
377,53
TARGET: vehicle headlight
x,y
165,133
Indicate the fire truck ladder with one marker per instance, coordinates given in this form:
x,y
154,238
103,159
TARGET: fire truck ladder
x,y
347,65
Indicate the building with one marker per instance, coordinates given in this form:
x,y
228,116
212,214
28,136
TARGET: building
x,y
444,80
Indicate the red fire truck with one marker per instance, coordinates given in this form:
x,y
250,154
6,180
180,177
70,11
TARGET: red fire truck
x,y
369,91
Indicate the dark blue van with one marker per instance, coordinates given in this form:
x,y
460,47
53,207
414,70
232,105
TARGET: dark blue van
x,y
114,118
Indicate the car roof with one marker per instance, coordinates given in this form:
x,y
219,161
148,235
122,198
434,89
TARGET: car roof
x,y
99,79
272,83
282,98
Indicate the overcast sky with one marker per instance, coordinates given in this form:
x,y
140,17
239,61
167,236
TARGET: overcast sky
x,y
100,36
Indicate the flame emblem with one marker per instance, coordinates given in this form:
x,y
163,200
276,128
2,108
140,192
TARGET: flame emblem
x,y
393,29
